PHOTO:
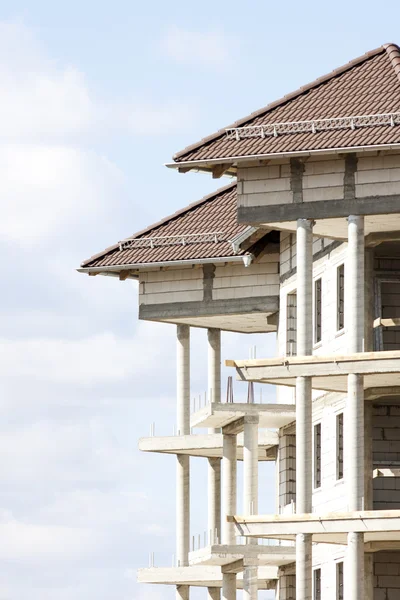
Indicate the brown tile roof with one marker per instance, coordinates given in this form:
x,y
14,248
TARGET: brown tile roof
x,y
365,86
213,213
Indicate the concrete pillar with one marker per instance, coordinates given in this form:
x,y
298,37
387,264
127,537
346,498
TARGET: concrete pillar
x,y
214,500
182,473
229,586
304,406
214,364
250,495
229,477
354,424
214,464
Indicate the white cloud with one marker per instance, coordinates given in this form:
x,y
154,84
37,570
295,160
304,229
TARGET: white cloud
x,y
86,361
208,48
43,100
45,188
38,97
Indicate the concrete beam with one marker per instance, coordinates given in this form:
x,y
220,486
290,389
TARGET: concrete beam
x,y
264,214
234,567
203,308
234,428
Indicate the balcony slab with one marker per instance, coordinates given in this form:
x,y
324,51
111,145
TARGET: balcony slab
x,y
208,445
218,414
378,526
203,576
223,554
381,370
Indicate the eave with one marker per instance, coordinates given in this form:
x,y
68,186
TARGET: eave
x,y
208,165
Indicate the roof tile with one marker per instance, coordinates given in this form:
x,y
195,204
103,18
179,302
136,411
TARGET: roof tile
x,y
368,85
215,212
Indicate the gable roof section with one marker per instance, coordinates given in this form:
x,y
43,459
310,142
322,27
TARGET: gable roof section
x,y
368,85
213,213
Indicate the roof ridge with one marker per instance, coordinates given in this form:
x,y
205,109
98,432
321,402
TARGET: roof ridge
x,y
171,217
305,88
393,52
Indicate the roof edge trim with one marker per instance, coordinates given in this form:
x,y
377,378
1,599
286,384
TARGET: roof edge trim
x,y
201,164
172,263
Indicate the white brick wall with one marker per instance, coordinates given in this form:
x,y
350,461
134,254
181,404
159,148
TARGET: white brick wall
x,y
323,180
387,575
237,281
171,285
231,280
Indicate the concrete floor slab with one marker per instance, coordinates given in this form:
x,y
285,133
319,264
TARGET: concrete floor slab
x,y
216,415
223,554
208,445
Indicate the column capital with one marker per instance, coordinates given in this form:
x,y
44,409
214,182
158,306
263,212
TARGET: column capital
x,y
306,223
251,419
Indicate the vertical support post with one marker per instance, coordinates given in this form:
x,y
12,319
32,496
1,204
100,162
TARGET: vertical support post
x,y
183,464
304,241
229,478
250,495
354,425
214,464
228,586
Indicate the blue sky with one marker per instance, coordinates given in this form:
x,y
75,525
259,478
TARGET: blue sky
x,y
94,98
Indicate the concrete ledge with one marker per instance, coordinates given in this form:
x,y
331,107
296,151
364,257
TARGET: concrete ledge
x,y
202,576
216,415
252,555
208,445
235,306
329,373
370,205
377,526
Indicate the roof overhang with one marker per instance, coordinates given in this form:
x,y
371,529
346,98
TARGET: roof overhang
x,y
232,162
134,268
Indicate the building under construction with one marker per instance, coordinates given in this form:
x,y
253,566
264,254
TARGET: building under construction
x,y
306,243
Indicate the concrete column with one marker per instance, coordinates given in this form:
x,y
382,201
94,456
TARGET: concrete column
x,y
214,464
250,495
182,473
229,586
354,424
215,593
229,477
214,364
304,406
214,500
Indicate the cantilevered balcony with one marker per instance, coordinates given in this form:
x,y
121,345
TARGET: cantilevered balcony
x,y
218,414
381,528
276,554
203,576
208,445
381,371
